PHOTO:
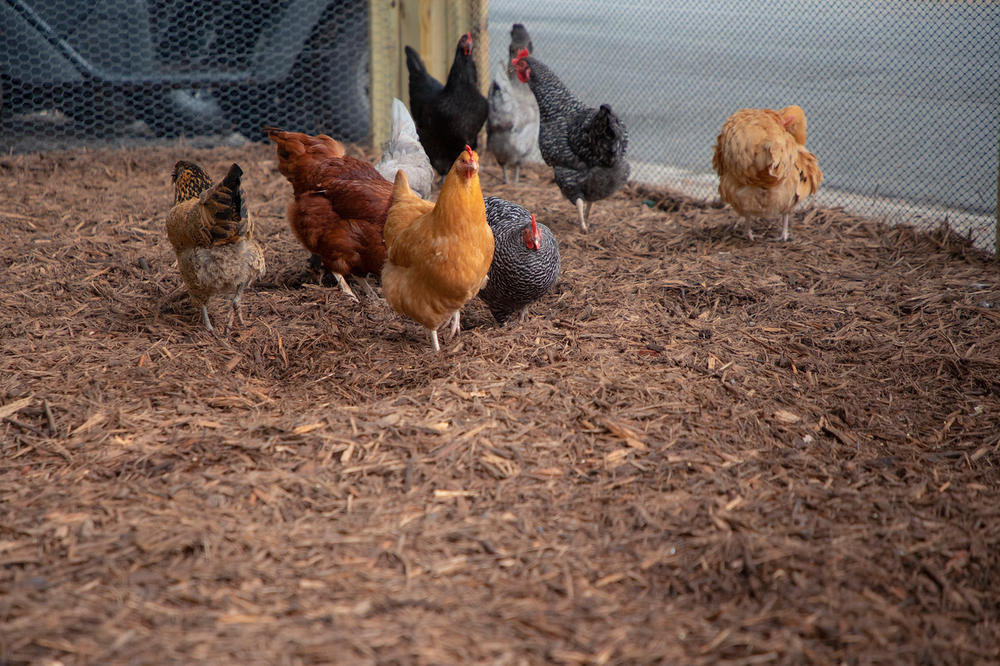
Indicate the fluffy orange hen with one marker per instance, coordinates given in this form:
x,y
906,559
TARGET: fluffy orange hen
x,y
763,165
339,204
438,253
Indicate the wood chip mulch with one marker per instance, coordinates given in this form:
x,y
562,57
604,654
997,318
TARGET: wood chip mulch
x,y
696,449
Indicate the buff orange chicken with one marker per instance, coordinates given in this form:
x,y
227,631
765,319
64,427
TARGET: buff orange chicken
x,y
763,165
438,254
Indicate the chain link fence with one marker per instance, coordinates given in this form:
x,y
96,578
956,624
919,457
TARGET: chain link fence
x,y
135,70
901,96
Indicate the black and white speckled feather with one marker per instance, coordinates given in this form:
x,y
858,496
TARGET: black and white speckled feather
x,y
518,275
585,146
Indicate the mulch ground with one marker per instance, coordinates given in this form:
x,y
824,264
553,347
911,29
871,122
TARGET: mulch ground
x,y
696,449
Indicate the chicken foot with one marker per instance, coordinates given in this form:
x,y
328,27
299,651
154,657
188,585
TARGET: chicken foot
x,y
344,287
455,325
366,286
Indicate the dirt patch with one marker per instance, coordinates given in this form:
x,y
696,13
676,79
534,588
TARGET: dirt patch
x,y
696,449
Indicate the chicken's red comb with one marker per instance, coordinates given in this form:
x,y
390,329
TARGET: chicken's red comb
x,y
468,150
534,227
523,53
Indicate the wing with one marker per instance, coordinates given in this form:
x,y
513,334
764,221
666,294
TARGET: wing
x,y
809,174
217,217
405,209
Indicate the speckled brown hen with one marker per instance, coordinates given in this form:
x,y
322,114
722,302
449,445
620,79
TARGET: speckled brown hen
x,y
212,236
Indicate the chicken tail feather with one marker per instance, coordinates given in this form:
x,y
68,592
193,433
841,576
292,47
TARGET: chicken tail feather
x,y
226,205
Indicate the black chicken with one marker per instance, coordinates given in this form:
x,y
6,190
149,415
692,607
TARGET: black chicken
x,y
447,117
525,259
584,146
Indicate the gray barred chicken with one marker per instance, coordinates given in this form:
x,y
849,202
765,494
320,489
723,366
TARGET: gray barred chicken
x,y
519,39
213,237
512,123
525,259
584,146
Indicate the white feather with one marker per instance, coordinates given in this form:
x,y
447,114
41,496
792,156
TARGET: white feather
x,y
403,151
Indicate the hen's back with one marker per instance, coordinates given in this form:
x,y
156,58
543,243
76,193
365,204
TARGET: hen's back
x,y
754,149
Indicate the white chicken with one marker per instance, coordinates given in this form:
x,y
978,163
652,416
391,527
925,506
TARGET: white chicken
x,y
403,151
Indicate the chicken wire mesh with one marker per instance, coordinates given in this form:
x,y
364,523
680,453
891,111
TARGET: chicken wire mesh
x,y
152,69
901,96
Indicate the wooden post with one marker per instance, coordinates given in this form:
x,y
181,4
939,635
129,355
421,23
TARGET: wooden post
x,y
432,27
383,40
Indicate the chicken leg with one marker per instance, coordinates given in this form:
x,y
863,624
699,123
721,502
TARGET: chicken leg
x,y
344,287
204,317
367,287
235,310
456,324
784,232
582,215
517,173
434,340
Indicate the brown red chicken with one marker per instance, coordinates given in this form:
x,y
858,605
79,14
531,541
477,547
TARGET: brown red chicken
x,y
339,205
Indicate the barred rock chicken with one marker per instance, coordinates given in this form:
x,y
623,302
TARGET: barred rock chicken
x,y
448,117
763,165
403,151
525,259
339,204
438,253
512,124
584,146
212,235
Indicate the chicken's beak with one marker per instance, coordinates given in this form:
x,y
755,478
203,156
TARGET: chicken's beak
x,y
468,163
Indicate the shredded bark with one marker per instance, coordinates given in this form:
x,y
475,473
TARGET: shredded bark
x,y
696,449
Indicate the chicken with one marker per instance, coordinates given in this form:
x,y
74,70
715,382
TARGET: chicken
x,y
519,39
448,117
512,123
438,253
763,165
584,146
212,236
403,151
339,205
525,259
